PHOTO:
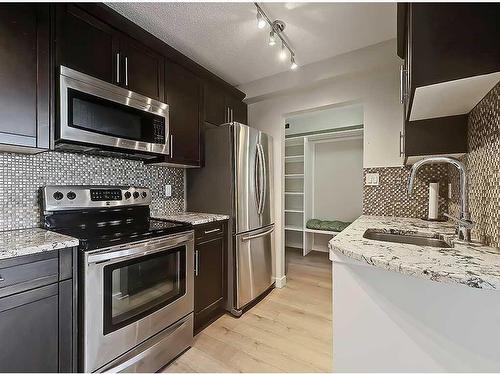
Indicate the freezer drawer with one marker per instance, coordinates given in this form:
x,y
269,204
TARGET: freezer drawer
x,y
253,264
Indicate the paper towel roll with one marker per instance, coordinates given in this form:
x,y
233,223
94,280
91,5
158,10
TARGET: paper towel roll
x,y
433,200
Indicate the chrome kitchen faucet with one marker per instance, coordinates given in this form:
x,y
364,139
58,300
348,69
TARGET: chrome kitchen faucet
x,y
464,224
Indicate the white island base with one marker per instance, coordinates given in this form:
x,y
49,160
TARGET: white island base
x,y
385,321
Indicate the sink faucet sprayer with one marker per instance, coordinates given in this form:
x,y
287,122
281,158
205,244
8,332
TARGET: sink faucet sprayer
x,y
464,224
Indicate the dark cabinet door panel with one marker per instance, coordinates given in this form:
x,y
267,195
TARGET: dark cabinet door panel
x,y
23,73
238,110
215,108
86,44
210,277
208,282
443,135
184,99
142,69
29,327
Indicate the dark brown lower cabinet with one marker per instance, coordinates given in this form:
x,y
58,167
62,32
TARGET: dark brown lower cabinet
x,y
38,313
210,273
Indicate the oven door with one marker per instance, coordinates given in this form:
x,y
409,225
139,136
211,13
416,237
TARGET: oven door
x,y
133,292
97,113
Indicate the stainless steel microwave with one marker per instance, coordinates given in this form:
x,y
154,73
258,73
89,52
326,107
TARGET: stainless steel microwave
x,y
98,117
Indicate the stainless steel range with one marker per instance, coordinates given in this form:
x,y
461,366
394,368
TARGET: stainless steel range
x,y
136,276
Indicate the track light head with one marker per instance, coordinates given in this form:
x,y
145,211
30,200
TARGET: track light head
x,y
272,38
283,52
293,64
261,22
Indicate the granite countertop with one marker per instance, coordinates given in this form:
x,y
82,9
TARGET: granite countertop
x,y
193,218
473,265
15,243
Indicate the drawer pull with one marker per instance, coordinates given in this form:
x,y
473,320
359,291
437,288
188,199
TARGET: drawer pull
x,y
212,231
1,279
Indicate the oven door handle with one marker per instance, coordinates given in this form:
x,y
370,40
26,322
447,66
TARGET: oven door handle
x,y
154,246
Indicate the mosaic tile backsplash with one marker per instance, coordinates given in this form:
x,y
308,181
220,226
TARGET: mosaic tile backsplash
x,y
21,176
390,197
483,169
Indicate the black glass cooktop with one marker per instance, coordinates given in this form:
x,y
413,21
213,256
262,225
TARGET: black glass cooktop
x,y
103,228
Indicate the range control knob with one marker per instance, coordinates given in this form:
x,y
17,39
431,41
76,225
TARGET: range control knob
x,y
136,194
127,195
144,194
71,195
58,195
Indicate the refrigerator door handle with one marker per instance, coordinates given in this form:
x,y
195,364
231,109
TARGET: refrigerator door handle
x,y
263,178
248,238
257,178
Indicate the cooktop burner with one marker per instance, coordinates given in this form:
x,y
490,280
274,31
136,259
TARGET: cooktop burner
x,y
84,213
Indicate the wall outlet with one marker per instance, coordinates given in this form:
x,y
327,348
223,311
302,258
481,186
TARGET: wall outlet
x,y
168,190
372,179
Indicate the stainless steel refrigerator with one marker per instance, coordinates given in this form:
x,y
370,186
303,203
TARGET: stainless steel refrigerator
x,y
236,180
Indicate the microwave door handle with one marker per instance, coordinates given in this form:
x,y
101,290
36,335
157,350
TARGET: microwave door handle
x,y
171,146
118,67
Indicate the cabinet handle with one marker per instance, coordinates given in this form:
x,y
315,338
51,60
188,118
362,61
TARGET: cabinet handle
x,y
401,140
117,68
171,146
212,231
401,84
1,279
126,71
196,263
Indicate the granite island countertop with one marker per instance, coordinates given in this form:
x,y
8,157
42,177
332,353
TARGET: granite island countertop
x,y
473,265
193,218
15,243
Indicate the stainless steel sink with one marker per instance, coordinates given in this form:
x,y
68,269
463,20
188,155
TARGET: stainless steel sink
x,y
411,239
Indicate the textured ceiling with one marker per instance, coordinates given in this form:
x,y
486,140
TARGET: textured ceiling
x,y
224,38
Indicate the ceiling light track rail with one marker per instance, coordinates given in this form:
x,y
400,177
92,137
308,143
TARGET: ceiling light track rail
x,y
276,30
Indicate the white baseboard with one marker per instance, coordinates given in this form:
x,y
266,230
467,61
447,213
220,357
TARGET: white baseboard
x,y
280,282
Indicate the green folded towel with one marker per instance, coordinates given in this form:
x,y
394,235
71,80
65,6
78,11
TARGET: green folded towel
x,y
328,225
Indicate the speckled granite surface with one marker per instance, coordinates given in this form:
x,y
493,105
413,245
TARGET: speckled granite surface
x,y
472,265
16,243
193,218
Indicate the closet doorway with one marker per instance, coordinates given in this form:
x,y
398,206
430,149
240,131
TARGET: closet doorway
x,y
323,189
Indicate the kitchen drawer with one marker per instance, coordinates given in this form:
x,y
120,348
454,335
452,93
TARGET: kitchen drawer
x,y
24,276
207,231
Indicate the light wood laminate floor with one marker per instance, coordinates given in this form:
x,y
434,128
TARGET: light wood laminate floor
x,y
289,331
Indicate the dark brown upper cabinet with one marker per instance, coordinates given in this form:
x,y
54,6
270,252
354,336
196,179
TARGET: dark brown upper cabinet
x,y
92,46
24,77
86,44
183,91
437,136
215,109
237,109
142,70
451,56
221,107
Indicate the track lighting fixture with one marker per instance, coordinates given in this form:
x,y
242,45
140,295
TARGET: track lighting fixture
x,y
272,38
276,31
282,52
261,22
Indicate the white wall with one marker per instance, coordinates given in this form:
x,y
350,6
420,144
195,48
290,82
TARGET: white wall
x,y
338,180
371,78
331,118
